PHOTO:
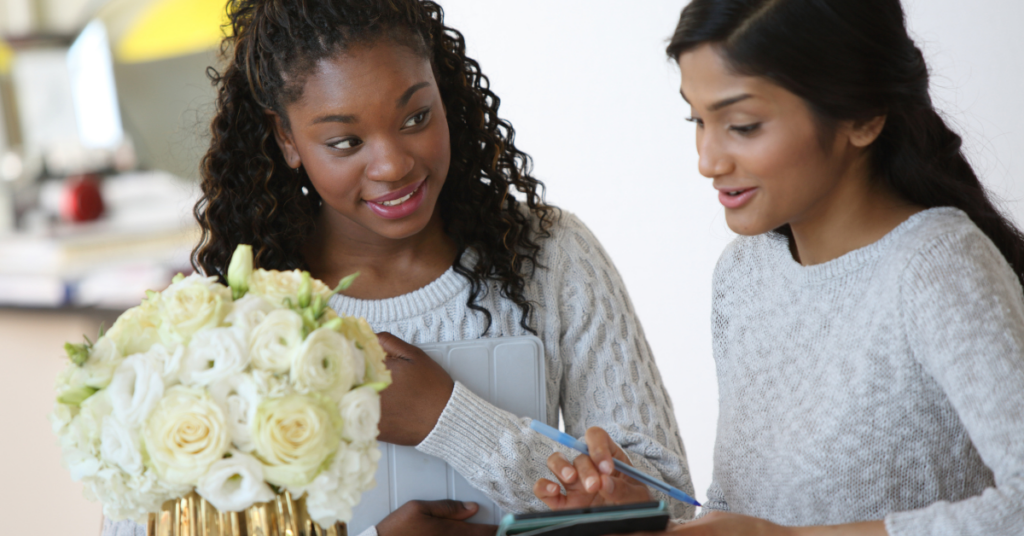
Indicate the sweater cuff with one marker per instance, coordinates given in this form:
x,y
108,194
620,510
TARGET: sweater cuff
x,y
468,426
372,531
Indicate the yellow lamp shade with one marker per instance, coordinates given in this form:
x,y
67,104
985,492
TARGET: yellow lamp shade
x,y
171,28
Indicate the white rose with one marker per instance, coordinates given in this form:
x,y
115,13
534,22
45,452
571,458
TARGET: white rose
x,y
324,363
120,446
212,355
235,483
136,388
332,495
238,397
190,305
360,413
248,312
185,435
275,341
294,436
136,330
283,287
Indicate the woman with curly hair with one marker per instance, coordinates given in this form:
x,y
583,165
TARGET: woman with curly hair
x,y
357,136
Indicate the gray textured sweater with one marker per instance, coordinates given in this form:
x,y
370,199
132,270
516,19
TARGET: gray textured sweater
x,y
885,384
600,372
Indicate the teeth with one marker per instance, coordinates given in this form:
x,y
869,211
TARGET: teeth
x,y
399,201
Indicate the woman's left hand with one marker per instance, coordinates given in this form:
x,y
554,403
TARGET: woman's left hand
x,y
418,394
590,480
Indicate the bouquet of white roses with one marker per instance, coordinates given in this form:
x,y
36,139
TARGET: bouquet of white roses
x,y
237,393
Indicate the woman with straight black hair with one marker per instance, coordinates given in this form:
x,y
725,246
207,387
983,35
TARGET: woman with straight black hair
x,y
868,323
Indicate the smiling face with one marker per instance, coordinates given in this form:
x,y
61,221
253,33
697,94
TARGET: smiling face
x,y
762,146
371,133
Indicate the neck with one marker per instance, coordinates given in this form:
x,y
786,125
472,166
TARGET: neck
x,y
856,213
387,267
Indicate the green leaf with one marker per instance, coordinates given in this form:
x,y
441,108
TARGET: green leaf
x,y
75,397
346,282
178,278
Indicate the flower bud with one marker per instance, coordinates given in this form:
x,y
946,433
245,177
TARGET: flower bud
x,y
305,290
77,353
240,270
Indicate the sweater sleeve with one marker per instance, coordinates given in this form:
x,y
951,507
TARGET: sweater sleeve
x,y
608,378
122,528
963,310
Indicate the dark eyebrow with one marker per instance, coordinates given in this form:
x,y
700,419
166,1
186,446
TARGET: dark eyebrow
x,y
728,102
404,99
349,119
722,103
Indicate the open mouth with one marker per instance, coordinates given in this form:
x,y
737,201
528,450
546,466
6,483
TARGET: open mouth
x,y
400,200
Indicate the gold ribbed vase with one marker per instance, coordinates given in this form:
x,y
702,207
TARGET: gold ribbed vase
x,y
193,516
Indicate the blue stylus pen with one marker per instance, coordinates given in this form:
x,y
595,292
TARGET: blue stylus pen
x,y
576,444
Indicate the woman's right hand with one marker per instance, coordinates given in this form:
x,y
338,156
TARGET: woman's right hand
x,y
590,480
429,518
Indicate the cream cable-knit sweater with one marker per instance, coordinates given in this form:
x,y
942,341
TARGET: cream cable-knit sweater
x,y
885,384
600,372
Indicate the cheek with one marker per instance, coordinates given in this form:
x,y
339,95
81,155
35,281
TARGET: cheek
x,y
438,151
792,168
334,178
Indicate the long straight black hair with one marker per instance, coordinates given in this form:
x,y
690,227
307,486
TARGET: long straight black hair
x,y
853,60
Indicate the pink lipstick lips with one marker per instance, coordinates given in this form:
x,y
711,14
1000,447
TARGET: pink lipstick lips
x,y
399,203
735,197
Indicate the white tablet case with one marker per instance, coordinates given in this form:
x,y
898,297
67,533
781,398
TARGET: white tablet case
x,y
505,371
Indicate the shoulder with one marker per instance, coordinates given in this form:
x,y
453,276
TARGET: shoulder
x,y
943,235
569,240
942,246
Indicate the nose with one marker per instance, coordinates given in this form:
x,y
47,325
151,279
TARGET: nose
x,y
714,159
390,162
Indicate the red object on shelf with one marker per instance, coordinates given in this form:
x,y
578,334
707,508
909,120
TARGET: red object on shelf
x,y
81,199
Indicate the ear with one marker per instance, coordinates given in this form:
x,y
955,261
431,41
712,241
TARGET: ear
x,y
864,133
285,142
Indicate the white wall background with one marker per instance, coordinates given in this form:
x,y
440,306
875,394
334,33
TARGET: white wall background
x,y
594,101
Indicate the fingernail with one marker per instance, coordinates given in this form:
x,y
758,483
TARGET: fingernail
x,y
606,467
591,483
552,488
568,473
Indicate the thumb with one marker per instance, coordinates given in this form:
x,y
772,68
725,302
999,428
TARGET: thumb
x,y
449,509
393,346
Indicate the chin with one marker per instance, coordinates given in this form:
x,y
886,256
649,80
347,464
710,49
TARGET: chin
x,y
747,226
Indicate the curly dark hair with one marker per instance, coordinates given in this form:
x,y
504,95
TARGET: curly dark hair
x,y
251,196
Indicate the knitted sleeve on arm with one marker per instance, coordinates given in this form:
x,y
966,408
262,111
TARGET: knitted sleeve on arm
x,y
122,528
608,379
963,312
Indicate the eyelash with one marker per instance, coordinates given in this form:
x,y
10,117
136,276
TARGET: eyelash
x,y
743,130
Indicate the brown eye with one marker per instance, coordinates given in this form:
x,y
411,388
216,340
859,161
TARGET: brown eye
x,y
416,119
348,143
